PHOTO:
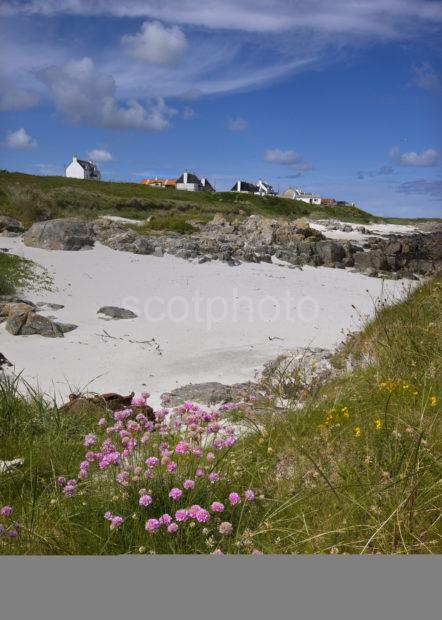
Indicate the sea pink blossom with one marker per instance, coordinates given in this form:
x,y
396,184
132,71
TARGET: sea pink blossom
x,y
234,499
202,515
175,494
89,440
181,515
171,467
199,473
172,528
152,525
210,457
6,511
213,477
116,521
249,495
165,519
217,507
182,447
145,500
138,401
188,484
152,461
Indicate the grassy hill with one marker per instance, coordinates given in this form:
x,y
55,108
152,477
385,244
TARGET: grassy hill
x,y
32,198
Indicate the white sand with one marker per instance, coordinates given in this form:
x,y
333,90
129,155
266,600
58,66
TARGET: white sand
x,y
228,351
372,230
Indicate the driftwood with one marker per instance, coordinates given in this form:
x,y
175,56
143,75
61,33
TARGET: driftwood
x,y
110,401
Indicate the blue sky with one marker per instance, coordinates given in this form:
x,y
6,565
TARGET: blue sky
x,y
342,98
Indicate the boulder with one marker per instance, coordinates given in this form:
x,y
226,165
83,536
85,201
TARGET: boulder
x,y
114,312
10,224
38,324
330,251
15,322
207,393
374,259
61,234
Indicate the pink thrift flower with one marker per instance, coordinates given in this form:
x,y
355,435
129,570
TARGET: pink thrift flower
x,y
116,522
171,467
234,499
217,507
225,528
194,510
152,525
61,481
188,484
145,500
102,422
172,528
210,457
197,452
138,401
213,477
202,515
165,519
6,511
199,473
89,440
12,533
108,515
152,461
217,552
175,494
181,515
249,495
182,447
229,442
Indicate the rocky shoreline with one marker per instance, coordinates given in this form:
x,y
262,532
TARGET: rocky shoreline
x,y
255,239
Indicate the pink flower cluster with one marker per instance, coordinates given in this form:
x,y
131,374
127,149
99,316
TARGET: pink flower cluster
x,y
177,452
10,530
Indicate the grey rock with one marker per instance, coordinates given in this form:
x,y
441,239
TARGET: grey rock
x,y
208,393
60,234
10,224
114,312
330,251
45,305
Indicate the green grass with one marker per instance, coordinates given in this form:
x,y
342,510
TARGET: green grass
x,y
31,198
357,470
20,273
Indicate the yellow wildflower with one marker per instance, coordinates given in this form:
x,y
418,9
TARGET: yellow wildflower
x,y
357,431
378,424
433,401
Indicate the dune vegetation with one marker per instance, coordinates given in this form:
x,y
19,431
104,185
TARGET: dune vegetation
x,y
31,198
356,469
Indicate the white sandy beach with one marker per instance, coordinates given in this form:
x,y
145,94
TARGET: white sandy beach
x,y
196,329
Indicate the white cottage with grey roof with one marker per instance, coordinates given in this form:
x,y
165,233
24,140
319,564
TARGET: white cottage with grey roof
x,y
82,169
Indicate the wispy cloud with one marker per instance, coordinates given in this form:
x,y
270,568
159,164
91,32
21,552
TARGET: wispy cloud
x,y
237,124
20,139
287,158
429,157
13,97
425,77
422,187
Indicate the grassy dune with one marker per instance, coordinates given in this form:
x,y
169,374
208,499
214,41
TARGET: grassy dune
x,y
32,198
357,470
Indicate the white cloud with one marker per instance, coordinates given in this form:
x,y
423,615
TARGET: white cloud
x,y
100,155
380,18
156,44
429,157
20,139
82,93
287,158
237,124
425,77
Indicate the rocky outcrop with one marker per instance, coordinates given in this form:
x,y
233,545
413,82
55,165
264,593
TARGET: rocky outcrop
x,y
9,226
113,312
61,234
118,237
209,393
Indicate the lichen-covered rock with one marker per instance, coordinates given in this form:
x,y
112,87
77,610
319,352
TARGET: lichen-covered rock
x,y
10,224
114,312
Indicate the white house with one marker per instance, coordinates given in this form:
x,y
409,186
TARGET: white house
x,y
260,188
295,193
191,183
82,169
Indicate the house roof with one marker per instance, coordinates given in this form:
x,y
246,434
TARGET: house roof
x,y
87,165
191,178
245,187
